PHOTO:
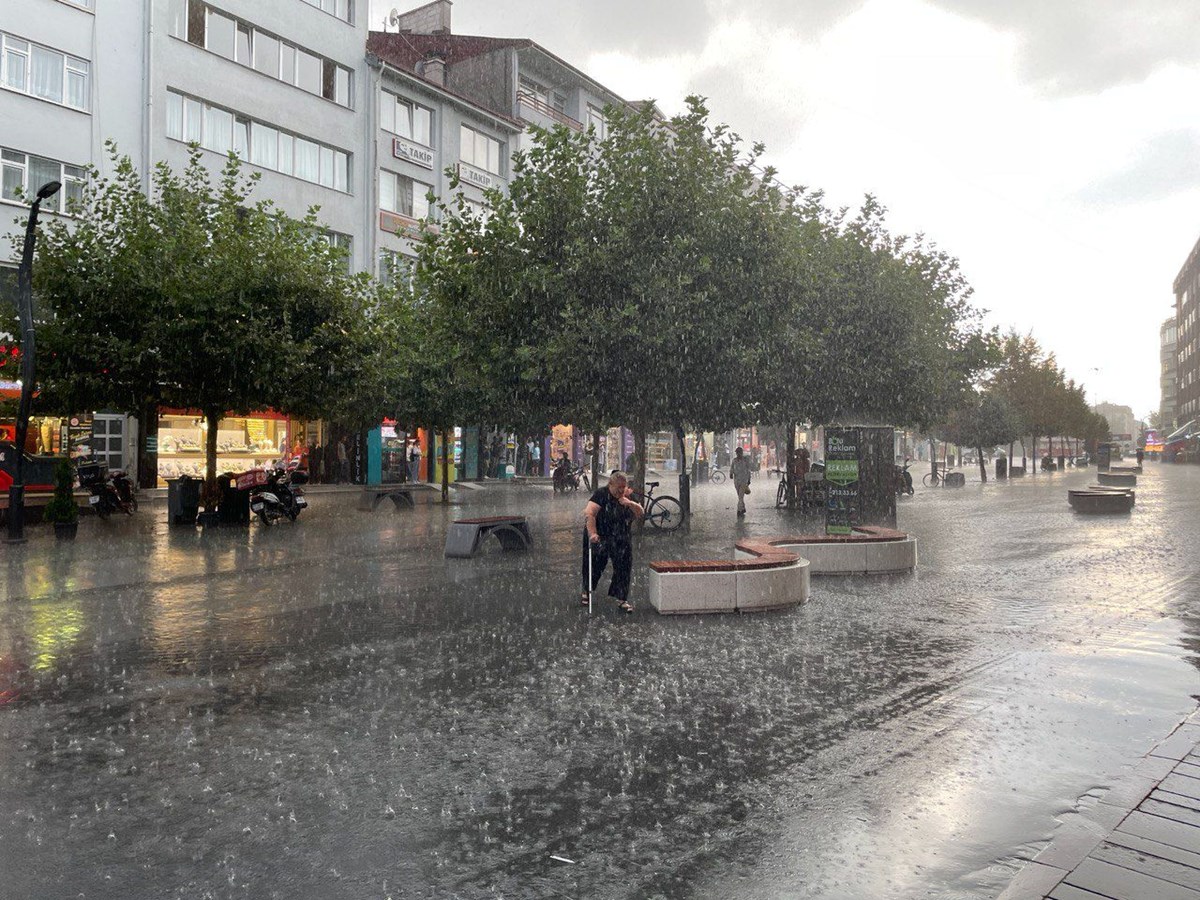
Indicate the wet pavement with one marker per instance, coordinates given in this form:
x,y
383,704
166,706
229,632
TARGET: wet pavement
x,y
332,710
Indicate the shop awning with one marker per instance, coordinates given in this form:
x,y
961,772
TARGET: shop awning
x,y
1183,433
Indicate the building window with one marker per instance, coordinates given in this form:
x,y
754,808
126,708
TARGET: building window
x,y
395,269
403,195
261,144
343,9
22,175
479,150
406,119
595,120
199,24
44,73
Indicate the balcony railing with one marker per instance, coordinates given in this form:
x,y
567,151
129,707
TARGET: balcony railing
x,y
526,99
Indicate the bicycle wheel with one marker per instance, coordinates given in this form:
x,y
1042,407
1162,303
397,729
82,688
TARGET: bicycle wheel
x,y
781,495
665,513
930,480
717,477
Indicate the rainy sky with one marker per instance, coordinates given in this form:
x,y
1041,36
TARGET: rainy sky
x,y
1053,147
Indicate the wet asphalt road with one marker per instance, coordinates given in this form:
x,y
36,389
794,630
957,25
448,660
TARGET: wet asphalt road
x,y
333,711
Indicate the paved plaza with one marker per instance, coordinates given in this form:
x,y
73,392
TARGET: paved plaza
x,y
332,710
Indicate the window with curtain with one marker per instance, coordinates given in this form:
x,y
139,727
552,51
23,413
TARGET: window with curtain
x,y
218,129
406,119
44,73
479,150
23,175
262,145
403,195
16,63
174,116
47,74
308,160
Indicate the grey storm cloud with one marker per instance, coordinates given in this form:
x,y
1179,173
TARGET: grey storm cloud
x,y
1066,46
1166,165
1084,47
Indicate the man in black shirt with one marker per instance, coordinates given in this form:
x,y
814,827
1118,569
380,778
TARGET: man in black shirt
x,y
608,516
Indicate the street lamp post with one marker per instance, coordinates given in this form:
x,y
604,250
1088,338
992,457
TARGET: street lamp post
x,y
16,493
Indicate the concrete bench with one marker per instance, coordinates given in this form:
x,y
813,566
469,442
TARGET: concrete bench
x,y
1102,500
868,550
466,536
773,573
769,578
1117,479
400,495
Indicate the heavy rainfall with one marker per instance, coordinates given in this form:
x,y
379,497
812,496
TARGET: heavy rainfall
x,y
442,464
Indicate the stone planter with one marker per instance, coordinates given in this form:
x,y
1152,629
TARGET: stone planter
x,y
66,531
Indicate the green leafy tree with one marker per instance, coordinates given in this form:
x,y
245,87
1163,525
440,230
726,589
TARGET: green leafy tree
x,y
188,293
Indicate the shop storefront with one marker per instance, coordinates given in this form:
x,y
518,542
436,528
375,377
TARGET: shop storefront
x,y
100,436
243,443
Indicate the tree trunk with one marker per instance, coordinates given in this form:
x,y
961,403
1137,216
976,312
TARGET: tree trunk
x,y
212,416
595,460
982,465
147,460
685,479
445,465
788,467
933,458
1035,453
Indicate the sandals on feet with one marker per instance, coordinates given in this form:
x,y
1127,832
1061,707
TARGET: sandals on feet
x,y
625,606
584,600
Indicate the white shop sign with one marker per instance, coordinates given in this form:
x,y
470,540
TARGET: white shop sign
x,y
414,153
477,177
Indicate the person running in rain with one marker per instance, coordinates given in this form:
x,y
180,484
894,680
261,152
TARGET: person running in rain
x,y
739,471
606,536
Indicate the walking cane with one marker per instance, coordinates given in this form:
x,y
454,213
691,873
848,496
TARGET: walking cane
x,y
591,580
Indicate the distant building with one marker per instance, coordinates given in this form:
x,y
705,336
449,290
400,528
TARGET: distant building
x,y
1168,375
1121,420
1187,377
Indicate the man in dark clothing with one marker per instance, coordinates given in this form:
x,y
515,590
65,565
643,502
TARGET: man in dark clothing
x,y
606,535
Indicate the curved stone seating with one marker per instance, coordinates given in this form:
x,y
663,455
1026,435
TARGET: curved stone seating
x,y
773,573
1101,500
1117,479
870,550
1128,470
769,578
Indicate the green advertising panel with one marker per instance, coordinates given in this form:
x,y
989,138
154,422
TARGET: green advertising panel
x,y
841,480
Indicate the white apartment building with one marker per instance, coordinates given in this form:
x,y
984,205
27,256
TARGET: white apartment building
x,y
282,83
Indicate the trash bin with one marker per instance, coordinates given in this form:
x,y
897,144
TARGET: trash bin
x,y
234,508
701,475
183,500
1001,468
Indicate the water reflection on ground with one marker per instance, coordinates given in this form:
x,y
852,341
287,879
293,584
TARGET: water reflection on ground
x,y
333,710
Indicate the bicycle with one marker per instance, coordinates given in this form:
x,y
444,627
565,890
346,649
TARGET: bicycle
x,y
716,476
664,513
781,495
936,477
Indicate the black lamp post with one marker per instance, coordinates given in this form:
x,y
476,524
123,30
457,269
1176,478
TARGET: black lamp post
x,y
16,493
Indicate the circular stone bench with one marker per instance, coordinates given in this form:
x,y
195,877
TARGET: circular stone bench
x,y
1117,479
869,550
773,573
1102,500
768,578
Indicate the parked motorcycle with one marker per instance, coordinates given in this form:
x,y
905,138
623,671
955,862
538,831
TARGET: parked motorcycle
x,y
904,482
569,476
280,496
110,491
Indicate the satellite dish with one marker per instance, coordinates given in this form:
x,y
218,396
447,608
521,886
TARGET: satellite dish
x,y
393,19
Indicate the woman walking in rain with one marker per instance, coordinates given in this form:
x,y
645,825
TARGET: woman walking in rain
x,y
607,536
739,471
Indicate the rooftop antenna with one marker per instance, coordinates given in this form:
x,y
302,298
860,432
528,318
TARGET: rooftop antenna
x,y
393,19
